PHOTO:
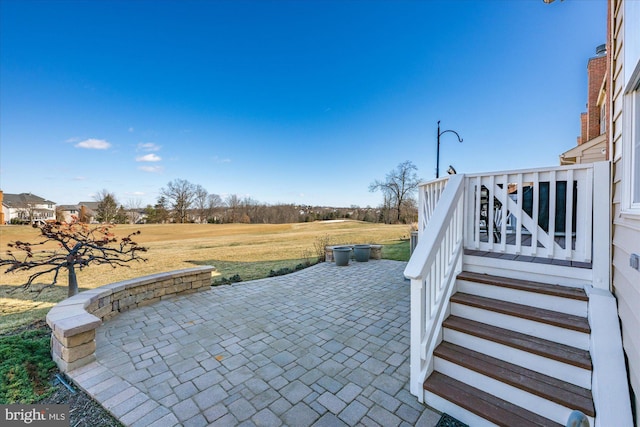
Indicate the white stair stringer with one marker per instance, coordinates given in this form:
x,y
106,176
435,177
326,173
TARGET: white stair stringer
x,y
553,368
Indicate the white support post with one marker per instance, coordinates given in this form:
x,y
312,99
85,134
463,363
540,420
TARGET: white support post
x,y
601,264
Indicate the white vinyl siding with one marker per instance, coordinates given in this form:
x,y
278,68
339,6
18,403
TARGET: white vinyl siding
x,y
625,149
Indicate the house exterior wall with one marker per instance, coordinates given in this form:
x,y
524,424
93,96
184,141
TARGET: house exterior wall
x,y
625,130
27,205
596,71
590,152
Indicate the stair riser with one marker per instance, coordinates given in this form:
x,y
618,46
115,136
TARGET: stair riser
x,y
544,273
522,398
548,302
530,327
455,411
562,371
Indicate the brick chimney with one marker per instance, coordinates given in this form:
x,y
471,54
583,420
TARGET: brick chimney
x,y
596,71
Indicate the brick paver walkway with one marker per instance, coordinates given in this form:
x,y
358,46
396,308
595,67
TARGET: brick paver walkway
x,y
327,346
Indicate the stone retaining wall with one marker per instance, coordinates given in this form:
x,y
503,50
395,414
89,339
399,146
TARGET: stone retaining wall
x,y
73,321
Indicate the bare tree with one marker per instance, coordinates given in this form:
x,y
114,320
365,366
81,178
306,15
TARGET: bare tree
x,y
233,208
214,202
107,210
398,187
200,202
179,194
134,210
79,245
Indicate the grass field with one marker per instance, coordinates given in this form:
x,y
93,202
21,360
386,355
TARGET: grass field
x,y
247,250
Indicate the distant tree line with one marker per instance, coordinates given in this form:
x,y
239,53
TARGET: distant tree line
x,y
182,201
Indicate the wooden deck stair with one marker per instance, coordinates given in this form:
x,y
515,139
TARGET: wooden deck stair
x,y
510,356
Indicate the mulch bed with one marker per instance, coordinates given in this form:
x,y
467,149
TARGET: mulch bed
x,y
83,410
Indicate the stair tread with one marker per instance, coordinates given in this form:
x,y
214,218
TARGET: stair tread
x,y
553,389
483,404
549,349
526,285
555,318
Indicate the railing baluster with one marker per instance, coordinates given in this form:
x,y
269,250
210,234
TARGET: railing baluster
x,y
552,212
584,235
568,222
491,211
518,214
504,195
535,194
477,213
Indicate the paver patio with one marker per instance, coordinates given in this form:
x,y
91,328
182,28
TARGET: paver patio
x,y
326,346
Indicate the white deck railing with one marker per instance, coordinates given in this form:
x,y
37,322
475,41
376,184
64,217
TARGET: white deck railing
x,y
432,269
539,213
555,213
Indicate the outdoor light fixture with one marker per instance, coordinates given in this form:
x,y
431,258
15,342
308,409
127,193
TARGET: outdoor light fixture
x,y
438,150
451,170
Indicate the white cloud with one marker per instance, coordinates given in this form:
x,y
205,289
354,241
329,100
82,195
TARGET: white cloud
x,y
93,144
219,160
134,193
148,146
131,129
151,169
79,178
148,158
74,139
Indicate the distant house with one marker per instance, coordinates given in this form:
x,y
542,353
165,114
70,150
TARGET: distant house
x,y
68,212
27,207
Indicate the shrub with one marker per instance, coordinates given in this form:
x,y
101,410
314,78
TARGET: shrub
x,y
25,367
227,281
320,244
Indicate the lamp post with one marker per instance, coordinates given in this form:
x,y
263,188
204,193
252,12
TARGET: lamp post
x,y
438,150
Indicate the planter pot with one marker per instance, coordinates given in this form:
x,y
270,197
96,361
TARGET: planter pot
x,y
341,255
362,252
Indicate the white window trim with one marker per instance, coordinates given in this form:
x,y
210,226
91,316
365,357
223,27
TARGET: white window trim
x,y
631,131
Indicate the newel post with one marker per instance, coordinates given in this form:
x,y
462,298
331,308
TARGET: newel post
x,y
601,243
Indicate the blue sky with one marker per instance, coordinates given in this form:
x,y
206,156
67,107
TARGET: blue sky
x,y
304,102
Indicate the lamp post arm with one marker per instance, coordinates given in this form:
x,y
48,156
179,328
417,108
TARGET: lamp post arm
x,y
438,147
453,131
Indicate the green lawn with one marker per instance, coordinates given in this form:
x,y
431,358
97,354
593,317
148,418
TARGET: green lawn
x,y
396,251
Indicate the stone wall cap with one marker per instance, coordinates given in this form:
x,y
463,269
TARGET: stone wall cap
x,y
76,324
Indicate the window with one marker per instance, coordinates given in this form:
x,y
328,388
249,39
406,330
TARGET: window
x,y
603,118
631,152
635,150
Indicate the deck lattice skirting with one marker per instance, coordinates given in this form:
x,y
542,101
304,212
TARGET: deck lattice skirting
x,y
74,321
